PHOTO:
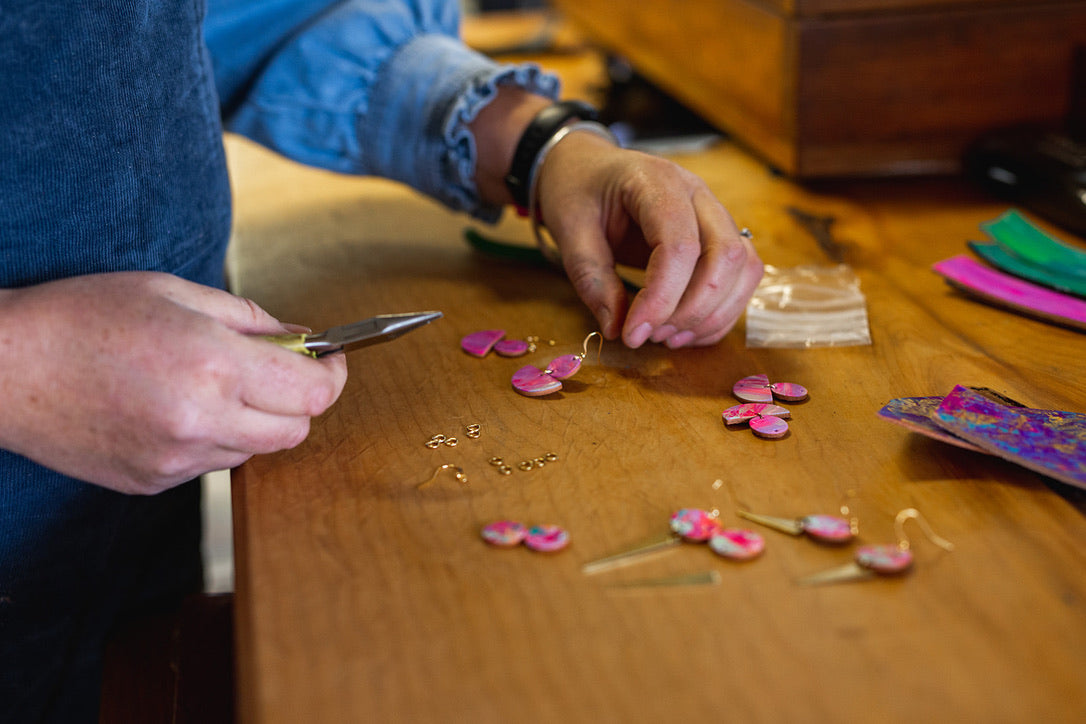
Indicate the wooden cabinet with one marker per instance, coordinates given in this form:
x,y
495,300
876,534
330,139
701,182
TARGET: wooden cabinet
x,y
852,87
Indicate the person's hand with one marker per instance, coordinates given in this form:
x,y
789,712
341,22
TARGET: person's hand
x,y
605,205
139,381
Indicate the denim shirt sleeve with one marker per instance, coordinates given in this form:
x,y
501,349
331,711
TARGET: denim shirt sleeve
x,y
376,87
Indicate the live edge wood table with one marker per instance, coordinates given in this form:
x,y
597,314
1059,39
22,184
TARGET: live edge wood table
x,y
362,597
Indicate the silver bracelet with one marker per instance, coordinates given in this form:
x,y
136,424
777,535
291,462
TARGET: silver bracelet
x,y
547,246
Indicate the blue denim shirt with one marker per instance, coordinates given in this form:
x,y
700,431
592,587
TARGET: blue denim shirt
x,y
361,86
111,142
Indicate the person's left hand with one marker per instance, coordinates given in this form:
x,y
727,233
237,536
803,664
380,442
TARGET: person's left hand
x,y
604,205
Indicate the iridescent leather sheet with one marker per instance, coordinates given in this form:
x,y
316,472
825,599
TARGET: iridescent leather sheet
x,y
1050,442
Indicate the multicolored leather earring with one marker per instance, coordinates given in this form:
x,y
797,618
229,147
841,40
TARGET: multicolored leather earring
x,y
758,388
757,393
766,419
886,559
479,344
693,525
531,381
822,528
509,533
700,526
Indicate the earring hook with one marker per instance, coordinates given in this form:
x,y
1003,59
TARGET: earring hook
x,y
457,471
914,514
584,346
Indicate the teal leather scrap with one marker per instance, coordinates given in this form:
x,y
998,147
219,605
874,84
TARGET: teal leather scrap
x,y
1020,238
998,257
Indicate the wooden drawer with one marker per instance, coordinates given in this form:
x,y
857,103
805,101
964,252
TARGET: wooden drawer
x,y
851,87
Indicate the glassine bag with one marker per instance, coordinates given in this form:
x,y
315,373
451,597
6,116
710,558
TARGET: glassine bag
x,y
808,306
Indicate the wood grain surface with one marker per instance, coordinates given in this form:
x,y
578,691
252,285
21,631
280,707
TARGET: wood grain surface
x,y
362,597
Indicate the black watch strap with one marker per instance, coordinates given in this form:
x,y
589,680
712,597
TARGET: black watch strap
x,y
543,126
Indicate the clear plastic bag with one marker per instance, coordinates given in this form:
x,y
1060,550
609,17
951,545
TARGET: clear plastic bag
x,y
808,306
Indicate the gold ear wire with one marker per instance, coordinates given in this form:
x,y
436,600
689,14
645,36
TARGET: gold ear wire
x,y
458,472
914,514
584,347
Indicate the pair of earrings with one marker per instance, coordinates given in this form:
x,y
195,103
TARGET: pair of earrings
x,y
757,392
531,381
510,533
694,525
869,560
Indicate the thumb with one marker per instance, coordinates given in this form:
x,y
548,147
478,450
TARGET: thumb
x,y
238,313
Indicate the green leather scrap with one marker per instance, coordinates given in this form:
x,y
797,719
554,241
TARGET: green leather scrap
x,y
998,257
1018,237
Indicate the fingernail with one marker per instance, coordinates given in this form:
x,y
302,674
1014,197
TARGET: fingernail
x,y
680,340
639,335
663,332
605,318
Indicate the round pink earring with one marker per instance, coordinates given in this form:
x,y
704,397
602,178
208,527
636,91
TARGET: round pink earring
x,y
766,419
699,526
510,533
531,381
758,388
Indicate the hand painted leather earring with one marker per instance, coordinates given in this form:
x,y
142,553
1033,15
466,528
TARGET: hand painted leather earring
x,y
700,526
822,528
758,388
479,344
510,533
886,559
766,420
757,393
693,525
531,381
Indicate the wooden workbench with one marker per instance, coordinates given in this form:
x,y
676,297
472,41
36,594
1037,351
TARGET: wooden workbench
x,y
362,597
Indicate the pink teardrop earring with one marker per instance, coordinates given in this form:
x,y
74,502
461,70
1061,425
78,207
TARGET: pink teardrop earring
x,y
886,559
531,381
833,529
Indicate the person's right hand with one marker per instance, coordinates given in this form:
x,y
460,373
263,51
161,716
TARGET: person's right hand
x,y
139,381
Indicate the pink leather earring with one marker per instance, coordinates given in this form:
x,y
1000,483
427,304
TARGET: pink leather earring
x,y
823,528
766,420
531,381
887,559
479,344
757,393
758,388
